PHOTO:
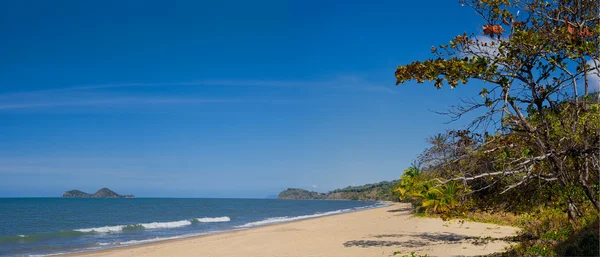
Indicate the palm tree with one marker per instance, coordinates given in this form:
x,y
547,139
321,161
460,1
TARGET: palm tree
x,y
407,183
438,198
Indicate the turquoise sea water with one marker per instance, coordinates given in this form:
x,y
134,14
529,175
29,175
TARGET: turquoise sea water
x,y
42,226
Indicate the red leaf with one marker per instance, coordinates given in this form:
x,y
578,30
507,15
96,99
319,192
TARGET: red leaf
x,y
492,30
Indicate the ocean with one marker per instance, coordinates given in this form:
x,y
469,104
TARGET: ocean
x,y
46,226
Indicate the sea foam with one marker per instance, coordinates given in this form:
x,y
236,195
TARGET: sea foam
x,y
171,224
286,219
150,240
274,220
106,229
153,225
216,219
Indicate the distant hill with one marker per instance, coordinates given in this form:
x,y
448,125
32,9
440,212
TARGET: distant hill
x,y
102,193
297,193
381,191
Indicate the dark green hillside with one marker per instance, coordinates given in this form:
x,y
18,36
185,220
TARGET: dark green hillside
x,y
296,193
102,193
76,194
381,191
377,191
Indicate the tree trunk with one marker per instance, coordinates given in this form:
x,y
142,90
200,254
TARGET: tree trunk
x,y
572,211
589,192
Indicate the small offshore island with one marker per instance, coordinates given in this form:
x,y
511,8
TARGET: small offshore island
x,y
102,193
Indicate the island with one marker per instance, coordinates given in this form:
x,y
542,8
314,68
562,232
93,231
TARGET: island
x,y
381,191
102,193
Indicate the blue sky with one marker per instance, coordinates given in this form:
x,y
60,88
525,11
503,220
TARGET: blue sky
x,y
205,99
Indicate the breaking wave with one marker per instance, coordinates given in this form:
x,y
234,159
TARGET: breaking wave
x,y
286,219
216,219
275,220
153,225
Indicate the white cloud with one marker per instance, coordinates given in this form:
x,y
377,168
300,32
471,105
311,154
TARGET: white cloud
x,y
118,101
488,47
485,46
314,186
121,168
594,77
101,95
341,82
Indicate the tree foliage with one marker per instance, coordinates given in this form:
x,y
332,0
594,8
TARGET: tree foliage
x,y
534,146
537,131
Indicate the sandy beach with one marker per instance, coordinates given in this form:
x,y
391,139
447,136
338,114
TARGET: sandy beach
x,y
374,232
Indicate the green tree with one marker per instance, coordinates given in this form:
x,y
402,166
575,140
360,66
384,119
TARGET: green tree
x,y
536,56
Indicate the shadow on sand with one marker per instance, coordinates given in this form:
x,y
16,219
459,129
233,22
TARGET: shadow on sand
x,y
415,240
370,243
401,209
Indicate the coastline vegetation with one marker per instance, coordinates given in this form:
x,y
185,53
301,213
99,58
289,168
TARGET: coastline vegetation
x,y
530,157
381,191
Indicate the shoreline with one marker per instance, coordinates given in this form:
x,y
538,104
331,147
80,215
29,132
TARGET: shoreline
x,y
192,236
198,236
340,234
